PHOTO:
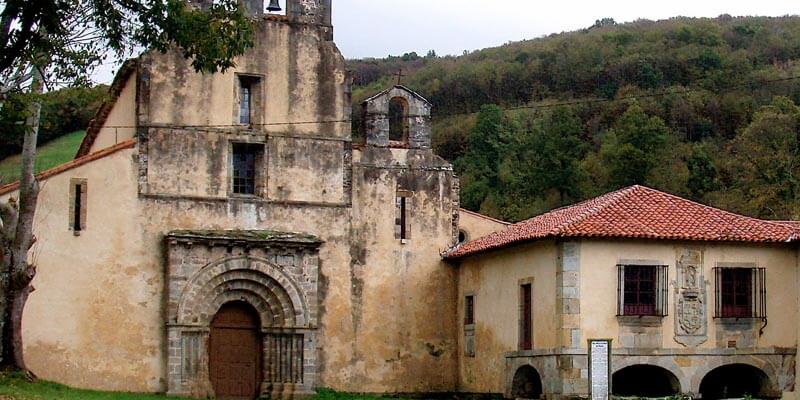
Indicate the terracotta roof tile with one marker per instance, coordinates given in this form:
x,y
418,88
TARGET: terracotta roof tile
x,y
636,212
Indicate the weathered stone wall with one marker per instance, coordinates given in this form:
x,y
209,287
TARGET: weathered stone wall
x,y
402,307
95,319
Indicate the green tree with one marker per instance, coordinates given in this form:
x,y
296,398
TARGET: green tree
x,y
550,158
479,167
765,160
634,147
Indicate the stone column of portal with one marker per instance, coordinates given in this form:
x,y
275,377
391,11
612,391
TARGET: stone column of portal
x,y
573,369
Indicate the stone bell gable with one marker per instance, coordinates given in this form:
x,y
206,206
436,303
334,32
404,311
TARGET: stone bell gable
x,y
275,273
398,109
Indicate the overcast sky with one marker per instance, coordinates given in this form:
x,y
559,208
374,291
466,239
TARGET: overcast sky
x,y
377,28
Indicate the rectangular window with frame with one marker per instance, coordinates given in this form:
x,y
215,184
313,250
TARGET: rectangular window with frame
x,y
469,310
78,191
642,290
526,317
247,159
740,292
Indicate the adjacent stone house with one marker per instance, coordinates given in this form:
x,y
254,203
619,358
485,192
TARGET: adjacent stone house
x,y
695,300
222,235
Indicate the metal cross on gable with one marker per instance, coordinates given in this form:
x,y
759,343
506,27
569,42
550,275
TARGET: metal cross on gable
x,y
399,75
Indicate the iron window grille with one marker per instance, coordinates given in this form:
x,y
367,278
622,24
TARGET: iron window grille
x,y
740,293
642,290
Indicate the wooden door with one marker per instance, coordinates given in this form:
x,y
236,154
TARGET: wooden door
x,y
235,352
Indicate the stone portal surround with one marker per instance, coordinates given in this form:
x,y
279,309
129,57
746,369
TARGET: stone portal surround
x,y
278,276
690,366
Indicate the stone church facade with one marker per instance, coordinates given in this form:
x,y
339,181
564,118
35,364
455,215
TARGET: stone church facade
x,y
222,235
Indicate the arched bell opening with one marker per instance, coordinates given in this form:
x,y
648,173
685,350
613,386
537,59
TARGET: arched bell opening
x,y
235,352
527,383
736,381
645,381
398,119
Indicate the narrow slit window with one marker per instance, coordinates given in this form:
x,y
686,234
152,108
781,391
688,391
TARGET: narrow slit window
x,y
469,310
245,92
78,205
526,317
402,218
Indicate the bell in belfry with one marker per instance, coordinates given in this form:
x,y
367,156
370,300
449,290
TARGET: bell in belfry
x,y
274,5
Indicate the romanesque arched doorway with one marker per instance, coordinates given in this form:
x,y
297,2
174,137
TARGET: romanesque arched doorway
x,y
234,350
736,381
236,295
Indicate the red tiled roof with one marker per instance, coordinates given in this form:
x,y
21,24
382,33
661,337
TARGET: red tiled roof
x,y
5,189
636,212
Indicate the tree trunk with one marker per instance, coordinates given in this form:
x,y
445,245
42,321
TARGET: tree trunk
x,y
17,274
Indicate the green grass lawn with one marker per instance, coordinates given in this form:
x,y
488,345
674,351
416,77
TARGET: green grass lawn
x,y
49,155
15,387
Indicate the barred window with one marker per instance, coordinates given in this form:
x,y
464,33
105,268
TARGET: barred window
x,y
642,290
740,292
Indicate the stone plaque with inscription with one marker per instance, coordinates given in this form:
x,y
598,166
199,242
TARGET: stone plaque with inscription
x,y
691,326
599,369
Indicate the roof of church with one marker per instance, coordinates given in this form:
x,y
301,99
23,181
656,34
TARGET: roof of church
x,y
100,117
636,212
13,186
401,87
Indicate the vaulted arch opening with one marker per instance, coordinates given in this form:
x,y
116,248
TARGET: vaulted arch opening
x,y
645,381
736,381
527,383
398,119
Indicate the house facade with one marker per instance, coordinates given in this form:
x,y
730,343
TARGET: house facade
x,y
694,300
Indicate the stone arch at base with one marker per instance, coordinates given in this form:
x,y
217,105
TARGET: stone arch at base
x,y
644,381
666,363
737,381
769,370
527,383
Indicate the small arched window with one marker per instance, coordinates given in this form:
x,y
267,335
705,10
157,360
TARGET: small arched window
x,y
398,119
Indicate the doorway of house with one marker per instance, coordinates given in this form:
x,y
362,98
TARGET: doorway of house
x,y
235,352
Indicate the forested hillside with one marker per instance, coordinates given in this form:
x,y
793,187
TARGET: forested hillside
x,y
702,108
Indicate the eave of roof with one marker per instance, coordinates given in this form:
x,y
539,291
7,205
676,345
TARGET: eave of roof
x,y
72,164
636,212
